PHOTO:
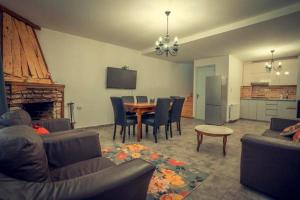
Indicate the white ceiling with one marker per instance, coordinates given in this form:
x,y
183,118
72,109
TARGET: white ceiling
x,y
137,24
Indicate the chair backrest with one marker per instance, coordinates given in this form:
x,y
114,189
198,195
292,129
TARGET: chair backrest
x,y
176,109
141,99
119,110
162,111
128,99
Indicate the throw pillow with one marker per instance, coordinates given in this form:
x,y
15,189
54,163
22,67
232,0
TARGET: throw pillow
x,y
40,130
22,154
296,137
291,130
16,117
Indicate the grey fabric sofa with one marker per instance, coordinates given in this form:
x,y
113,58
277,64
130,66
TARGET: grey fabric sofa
x,y
65,165
270,164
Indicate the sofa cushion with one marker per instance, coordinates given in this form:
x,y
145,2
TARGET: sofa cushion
x,y
80,168
275,134
16,117
22,155
290,130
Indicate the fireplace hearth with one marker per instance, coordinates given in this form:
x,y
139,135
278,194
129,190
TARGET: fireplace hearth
x,y
39,111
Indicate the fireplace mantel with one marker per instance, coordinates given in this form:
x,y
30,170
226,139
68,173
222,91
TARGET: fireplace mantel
x,y
17,86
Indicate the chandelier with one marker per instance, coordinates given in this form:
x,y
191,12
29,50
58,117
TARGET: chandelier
x,y
271,65
164,45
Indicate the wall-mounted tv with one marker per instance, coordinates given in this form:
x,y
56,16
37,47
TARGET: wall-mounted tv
x,y
120,78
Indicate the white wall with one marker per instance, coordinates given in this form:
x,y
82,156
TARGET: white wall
x,y
235,74
80,64
221,67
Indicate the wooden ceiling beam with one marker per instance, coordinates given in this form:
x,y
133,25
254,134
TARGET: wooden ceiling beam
x,y
19,17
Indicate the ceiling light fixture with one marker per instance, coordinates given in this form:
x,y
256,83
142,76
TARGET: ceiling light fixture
x,y
164,45
271,65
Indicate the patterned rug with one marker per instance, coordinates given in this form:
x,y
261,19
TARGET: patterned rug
x,y
172,179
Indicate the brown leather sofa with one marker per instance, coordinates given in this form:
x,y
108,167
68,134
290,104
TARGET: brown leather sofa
x,y
65,165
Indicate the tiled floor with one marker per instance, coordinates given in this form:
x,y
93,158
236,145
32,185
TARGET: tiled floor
x,y
223,180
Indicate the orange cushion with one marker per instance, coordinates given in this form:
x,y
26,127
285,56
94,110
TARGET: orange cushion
x,y
40,130
296,136
288,131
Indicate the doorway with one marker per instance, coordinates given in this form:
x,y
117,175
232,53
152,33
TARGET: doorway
x,y
201,73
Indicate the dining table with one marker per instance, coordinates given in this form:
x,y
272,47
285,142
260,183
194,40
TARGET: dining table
x,y
139,109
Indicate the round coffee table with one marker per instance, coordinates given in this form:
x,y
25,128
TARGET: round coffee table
x,y
213,131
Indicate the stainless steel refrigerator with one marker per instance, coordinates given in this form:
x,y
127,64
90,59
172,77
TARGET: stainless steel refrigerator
x,y
215,100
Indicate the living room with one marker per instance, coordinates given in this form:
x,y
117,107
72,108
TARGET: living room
x,y
149,99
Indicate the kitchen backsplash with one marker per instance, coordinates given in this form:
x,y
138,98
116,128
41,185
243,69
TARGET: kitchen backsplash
x,y
272,91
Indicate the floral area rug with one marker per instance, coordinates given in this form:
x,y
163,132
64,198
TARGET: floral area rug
x,y
172,179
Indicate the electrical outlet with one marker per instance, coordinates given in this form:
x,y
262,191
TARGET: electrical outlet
x,y
78,107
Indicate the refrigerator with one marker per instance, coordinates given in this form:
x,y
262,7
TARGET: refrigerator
x,y
215,100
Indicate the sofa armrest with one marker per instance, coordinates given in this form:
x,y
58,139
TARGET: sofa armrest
x,y
278,124
271,166
128,181
68,147
54,125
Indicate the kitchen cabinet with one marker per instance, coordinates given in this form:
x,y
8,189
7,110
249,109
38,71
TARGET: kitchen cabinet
x,y
256,72
261,110
264,110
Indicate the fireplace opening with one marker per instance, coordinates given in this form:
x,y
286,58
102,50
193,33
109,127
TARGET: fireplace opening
x,y
38,111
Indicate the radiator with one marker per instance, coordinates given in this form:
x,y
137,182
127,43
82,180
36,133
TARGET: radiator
x,y
234,112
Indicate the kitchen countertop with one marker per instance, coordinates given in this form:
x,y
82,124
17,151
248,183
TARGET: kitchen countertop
x,y
267,99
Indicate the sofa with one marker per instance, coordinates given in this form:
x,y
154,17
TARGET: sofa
x,y
270,163
65,164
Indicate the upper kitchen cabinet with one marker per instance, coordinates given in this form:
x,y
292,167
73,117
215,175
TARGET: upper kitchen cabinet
x,y
255,72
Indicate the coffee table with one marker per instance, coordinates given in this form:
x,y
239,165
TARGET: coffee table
x,y
213,131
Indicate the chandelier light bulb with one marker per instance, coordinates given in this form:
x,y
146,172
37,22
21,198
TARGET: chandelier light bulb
x,y
279,63
277,73
166,45
286,73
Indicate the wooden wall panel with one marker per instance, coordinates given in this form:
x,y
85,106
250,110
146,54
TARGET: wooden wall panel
x,y
23,58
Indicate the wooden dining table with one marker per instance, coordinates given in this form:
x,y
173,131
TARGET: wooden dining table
x,y
139,109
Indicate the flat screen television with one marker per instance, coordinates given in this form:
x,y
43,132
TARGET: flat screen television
x,y
120,78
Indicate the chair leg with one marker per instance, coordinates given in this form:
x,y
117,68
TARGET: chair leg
x,y
166,131
147,128
124,134
179,126
133,131
129,130
115,129
121,131
155,134
177,123
171,131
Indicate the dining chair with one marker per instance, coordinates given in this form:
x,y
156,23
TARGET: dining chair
x,y
141,99
128,99
160,117
175,114
121,119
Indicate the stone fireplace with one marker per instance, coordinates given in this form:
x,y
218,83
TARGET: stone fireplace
x,y
41,101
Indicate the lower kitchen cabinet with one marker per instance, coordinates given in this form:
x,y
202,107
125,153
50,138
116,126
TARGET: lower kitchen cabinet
x,y
264,110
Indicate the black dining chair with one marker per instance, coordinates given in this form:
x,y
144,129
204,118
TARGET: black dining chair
x,y
175,114
160,117
128,99
121,119
141,99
